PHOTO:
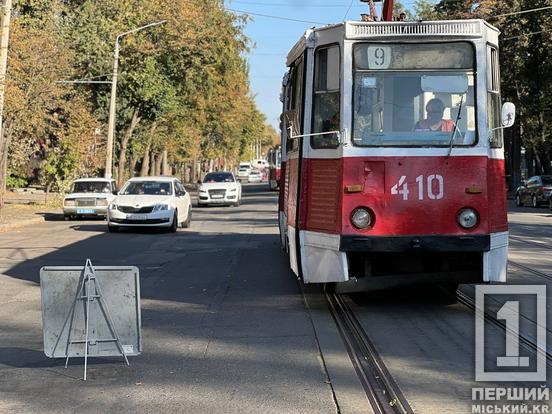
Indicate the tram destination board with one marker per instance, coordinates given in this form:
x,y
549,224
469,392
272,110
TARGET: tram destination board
x,y
120,294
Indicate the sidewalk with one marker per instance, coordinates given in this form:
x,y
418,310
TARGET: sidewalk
x,y
14,216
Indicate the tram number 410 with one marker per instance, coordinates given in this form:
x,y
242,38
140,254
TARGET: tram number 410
x,y
433,186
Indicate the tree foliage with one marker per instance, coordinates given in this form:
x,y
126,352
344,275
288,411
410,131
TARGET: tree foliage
x,y
183,95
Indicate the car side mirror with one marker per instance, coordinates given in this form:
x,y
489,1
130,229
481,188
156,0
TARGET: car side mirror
x,y
508,114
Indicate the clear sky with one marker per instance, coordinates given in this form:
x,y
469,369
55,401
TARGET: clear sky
x,y
273,38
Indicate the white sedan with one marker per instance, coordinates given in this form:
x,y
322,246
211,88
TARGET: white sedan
x,y
89,197
255,176
219,188
150,202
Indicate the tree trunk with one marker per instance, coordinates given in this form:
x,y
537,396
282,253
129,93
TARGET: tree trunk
x,y
158,163
6,12
153,160
167,170
187,175
132,166
4,149
124,145
146,160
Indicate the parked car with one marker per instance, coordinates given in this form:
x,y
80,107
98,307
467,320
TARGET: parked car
x,y
536,191
89,197
243,171
219,188
150,202
255,176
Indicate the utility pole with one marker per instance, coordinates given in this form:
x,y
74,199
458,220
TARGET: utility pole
x,y
113,100
4,42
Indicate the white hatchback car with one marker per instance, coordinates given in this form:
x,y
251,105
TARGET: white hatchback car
x,y
255,176
150,202
243,171
89,197
219,188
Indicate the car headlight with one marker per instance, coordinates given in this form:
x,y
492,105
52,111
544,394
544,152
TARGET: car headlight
x,y
102,202
233,190
160,207
203,191
362,218
113,207
467,218
69,203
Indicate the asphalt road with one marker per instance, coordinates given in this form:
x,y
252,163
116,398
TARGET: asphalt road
x,y
225,329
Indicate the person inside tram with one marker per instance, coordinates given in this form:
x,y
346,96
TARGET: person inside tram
x,y
434,122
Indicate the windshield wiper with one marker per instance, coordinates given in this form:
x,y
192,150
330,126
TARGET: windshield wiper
x,y
458,117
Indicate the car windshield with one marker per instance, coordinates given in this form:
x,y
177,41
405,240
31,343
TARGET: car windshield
x,y
547,180
218,178
91,187
255,172
147,188
414,95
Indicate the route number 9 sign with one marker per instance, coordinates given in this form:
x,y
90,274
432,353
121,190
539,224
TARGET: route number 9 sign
x,y
379,57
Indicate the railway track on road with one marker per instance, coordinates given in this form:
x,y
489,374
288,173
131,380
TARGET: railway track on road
x,y
525,340
381,389
530,270
531,242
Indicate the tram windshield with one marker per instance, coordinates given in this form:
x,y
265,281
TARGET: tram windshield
x,y
414,95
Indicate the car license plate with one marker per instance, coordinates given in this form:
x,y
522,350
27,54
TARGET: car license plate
x,y
85,211
137,217
217,196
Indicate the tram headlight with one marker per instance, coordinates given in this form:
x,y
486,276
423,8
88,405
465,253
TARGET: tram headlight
x,y
467,218
362,218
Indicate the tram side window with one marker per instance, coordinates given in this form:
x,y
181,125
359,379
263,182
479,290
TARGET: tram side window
x,y
493,97
327,97
294,115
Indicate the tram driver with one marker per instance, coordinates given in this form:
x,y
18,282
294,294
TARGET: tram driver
x,y
434,122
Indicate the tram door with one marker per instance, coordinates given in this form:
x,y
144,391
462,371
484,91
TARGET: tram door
x,y
323,154
293,120
321,195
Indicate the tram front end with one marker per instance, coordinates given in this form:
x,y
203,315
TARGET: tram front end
x,y
411,187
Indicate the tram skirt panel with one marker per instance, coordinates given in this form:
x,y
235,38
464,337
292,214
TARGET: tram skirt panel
x,y
321,260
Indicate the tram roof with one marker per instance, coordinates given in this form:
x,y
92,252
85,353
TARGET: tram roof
x,y
430,30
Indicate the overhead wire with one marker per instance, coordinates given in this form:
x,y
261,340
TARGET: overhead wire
x,y
269,16
526,35
521,12
348,10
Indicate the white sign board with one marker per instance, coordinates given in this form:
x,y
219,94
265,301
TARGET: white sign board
x,y
120,293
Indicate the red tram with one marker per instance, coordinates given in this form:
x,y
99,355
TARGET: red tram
x,y
393,155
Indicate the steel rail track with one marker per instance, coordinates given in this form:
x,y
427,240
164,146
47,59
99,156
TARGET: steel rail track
x,y
381,389
534,243
528,342
530,270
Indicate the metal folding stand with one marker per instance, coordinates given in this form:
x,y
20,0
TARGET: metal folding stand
x,y
88,291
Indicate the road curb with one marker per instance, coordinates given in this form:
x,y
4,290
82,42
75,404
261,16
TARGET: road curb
x,y
23,223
